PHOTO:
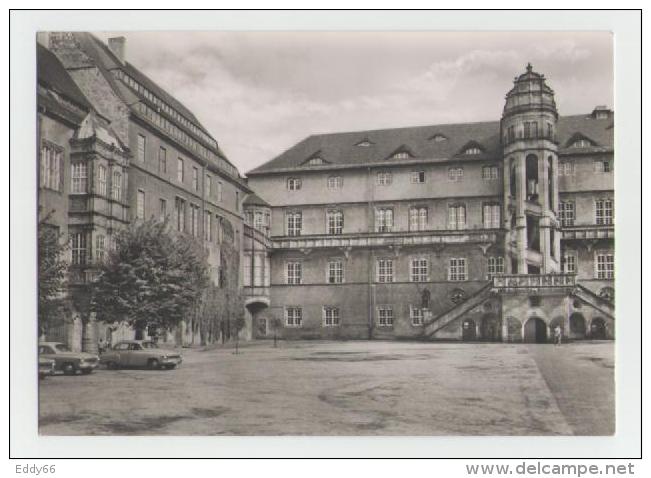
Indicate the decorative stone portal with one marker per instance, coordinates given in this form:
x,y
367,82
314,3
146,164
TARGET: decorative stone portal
x,y
491,328
535,331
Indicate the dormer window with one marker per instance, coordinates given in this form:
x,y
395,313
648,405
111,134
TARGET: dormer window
x,y
402,152
581,143
365,143
438,138
315,161
400,155
472,150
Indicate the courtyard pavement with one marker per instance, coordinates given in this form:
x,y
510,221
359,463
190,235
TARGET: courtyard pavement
x,y
346,388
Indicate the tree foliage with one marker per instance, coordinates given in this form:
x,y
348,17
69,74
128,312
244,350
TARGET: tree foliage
x,y
52,269
154,276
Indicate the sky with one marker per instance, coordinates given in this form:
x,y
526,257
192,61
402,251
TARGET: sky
x,y
259,93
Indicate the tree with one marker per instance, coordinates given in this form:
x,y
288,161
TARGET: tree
x,y
153,277
52,270
238,325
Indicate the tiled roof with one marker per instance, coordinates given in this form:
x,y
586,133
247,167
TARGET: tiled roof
x,y
255,200
52,74
342,149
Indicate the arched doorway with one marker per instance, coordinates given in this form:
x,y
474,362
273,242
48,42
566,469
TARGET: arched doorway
x,y
468,330
577,325
535,331
491,328
598,329
258,308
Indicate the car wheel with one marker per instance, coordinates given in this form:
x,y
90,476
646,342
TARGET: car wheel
x,y
171,366
87,371
154,364
112,365
69,368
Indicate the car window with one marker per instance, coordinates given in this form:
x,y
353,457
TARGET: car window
x,y
121,346
135,347
44,349
149,345
61,348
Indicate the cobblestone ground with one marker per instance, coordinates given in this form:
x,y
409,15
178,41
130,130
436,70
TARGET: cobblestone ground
x,y
346,388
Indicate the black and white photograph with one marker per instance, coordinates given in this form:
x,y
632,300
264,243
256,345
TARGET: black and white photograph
x,y
356,233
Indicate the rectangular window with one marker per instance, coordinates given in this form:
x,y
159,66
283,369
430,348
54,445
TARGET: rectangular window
x,y
179,206
116,186
455,174
457,216
416,315
258,221
207,226
162,160
335,272
220,190
418,177
457,269
385,316
51,160
566,213
335,182
78,248
141,148
384,178
530,129
604,211
495,267
294,223
601,166
417,218
566,168
208,186
180,172
140,204
293,184
195,178
489,173
99,248
101,180
330,316
385,270
491,216
293,316
162,209
194,220
384,220
419,270
569,263
294,273
79,183
605,265
335,220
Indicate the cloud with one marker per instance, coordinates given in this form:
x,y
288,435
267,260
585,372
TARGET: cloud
x,y
259,93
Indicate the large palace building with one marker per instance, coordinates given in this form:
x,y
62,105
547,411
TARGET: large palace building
x,y
493,231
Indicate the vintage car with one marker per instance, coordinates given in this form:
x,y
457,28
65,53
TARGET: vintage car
x,y
139,354
67,361
45,367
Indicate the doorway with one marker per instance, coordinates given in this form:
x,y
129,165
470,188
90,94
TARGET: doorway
x,y
535,331
468,330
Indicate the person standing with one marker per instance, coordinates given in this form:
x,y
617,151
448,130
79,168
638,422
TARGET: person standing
x,y
558,335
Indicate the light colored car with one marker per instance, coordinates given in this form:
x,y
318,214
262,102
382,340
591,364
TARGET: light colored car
x,y
67,361
140,354
45,367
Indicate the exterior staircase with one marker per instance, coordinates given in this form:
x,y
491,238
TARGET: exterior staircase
x,y
450,315
588,297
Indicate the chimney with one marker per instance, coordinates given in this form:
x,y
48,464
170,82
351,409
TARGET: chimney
x,y
118,45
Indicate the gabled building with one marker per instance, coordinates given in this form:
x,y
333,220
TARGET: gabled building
x,y
176,170
494,231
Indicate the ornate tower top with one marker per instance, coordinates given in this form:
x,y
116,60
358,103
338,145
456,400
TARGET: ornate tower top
x,y
530,93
